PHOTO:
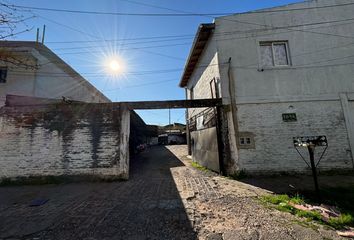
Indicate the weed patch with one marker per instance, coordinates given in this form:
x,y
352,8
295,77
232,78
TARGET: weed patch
x,y
199,167
238,175
285,203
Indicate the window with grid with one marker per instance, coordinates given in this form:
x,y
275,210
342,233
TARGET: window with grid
x,y
245,141
274,54
3,74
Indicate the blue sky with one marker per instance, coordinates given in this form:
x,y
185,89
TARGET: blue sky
x,y
153,50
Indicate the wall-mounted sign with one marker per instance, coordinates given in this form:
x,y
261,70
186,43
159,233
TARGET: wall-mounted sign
x,y
289,117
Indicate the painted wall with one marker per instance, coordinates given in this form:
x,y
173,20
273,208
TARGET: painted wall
x,y
19,81
64,139
316,83
50,80
204,142
205,71
321,67
321,55
274,149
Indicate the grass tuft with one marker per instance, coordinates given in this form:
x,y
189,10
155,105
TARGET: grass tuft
x,y
284,203
199,167
238,175
276,199
344,219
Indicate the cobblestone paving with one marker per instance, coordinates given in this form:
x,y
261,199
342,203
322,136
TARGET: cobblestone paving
x,y
165,198
220,208
148,206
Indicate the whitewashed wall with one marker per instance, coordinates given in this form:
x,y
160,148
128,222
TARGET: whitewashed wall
x,y
64,140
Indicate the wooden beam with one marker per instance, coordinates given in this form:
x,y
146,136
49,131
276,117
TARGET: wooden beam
x,y
197,103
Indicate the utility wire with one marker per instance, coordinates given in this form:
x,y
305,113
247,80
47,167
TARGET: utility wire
x,y
140,85
122,39
116,13
269,10
220,35
162,71
71,28
183,14
189,14
124,44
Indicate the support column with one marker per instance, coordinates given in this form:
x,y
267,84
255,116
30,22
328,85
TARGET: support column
x,y
124,141
349,121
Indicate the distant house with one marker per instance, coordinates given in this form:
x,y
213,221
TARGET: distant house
x,y
172,134
281,72
31,69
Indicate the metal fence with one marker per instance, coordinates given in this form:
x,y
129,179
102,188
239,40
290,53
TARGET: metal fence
x,y
202,120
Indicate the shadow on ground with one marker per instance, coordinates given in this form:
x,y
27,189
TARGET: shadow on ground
x,y
335,190
293,184
147,206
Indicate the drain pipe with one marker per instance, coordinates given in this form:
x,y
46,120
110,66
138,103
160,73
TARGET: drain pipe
x,y
233,101
188,134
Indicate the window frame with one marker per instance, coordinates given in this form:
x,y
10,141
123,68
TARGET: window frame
x,y
272,43
246,140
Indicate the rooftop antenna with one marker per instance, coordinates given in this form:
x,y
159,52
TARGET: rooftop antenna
x,y
43,34
169,120
37,37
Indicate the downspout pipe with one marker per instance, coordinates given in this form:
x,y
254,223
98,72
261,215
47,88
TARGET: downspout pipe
x,y
188,135
232,96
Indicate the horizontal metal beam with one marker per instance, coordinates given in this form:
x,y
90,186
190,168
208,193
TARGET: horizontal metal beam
x,y
197,103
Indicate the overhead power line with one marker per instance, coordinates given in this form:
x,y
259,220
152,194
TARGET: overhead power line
x,y
221,34
71,28
116,13
123,39
180,14
162,71
272,10
141,85
123,44
268,10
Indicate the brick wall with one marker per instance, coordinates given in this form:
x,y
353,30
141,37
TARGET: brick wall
x,y
64,139
274,150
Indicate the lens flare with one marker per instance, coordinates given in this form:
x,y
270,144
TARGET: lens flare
x,y
114,66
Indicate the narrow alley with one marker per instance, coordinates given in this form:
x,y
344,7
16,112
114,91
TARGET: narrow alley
x,y
165,198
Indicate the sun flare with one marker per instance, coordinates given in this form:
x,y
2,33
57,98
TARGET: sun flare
x,y
114,66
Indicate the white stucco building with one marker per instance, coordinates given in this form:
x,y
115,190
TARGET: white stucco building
x,y
281,72
31,69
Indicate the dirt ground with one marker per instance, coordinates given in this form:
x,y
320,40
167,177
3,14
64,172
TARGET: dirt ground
x,y
165,198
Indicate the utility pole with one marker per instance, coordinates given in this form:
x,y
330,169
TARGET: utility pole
x,y
169,120
311,149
